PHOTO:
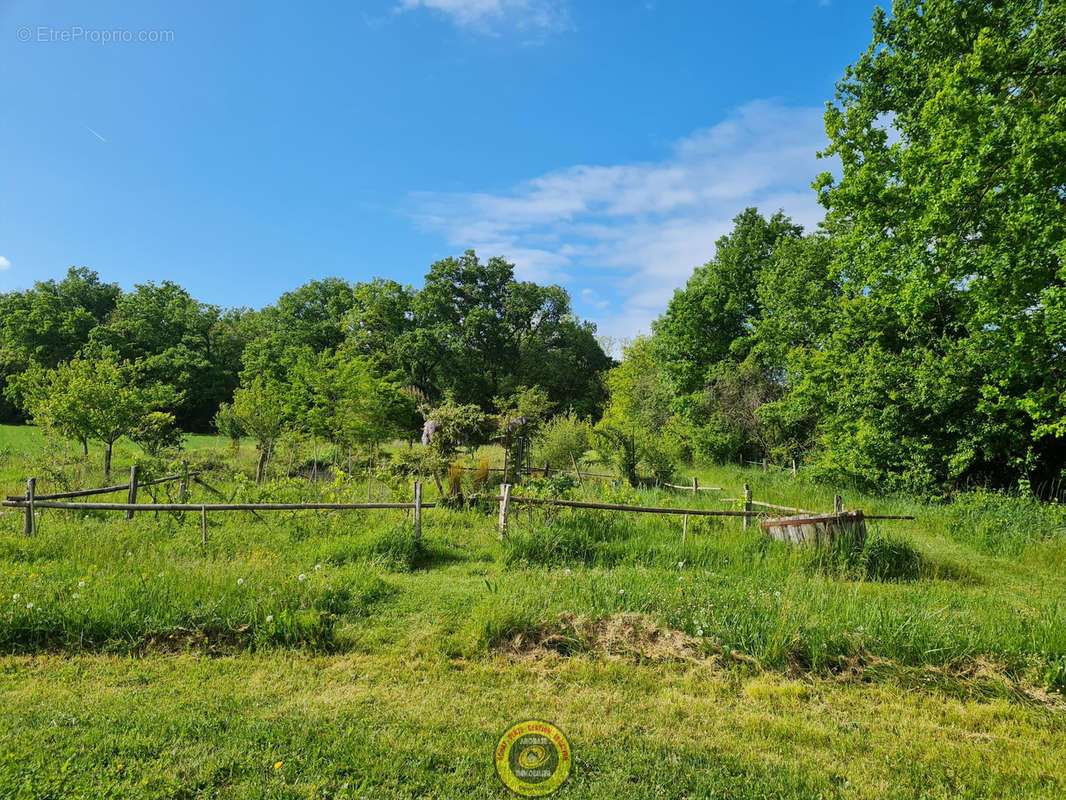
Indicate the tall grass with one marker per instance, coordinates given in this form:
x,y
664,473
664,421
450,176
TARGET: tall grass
x,y
979,580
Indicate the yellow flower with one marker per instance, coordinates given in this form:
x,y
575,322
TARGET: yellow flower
x,y
277,764
120,767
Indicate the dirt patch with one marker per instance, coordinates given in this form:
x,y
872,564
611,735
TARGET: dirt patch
x,y
621,637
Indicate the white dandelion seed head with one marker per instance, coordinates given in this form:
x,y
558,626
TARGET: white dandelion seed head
x,y
318,567
301,577
270,617
29,606
240,581
81,584
16,596
75,595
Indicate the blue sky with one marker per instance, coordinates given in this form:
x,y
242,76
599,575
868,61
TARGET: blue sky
x,y
242,149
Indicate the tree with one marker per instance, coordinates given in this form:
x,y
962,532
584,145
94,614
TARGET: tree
x,y
477,333
519,417
49,324
98,398
157,431
945,363
227,424
311,317
638,426
714,317
175,340
259,410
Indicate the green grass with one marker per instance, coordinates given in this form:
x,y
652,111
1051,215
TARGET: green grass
x,y
927,664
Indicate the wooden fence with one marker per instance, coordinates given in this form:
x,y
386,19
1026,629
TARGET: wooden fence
x,y
32,502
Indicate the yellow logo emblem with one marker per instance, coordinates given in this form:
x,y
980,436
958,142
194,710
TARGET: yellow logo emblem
x,y
533,758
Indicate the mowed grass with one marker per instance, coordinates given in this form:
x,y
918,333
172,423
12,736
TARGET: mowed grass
x,y
142,662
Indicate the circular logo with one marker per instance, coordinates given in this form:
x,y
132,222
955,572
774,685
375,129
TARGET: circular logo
x,y
533,758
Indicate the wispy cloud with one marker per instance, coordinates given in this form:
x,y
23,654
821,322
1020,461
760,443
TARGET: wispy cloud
x,y
498,16
632,233
5,263
94,133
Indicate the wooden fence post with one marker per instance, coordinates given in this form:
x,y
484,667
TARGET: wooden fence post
x,y
418,510
29,525
684,530
547,469
131,496
203,528
695,486
764,465
747,505
793,466
183,487
505,501
838,504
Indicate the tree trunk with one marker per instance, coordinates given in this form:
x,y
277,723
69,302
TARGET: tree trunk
x,y
107,459
260,466
85,447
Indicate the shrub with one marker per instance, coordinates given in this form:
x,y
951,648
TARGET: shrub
x,y
563,441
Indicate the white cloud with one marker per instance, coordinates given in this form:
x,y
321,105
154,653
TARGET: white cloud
x,y
4,263
493,16
634,232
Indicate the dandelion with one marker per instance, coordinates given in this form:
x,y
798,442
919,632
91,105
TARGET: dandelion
x,y
318,567
568,572
81,584
270,617
680,564
621,591
29,606
277,764
301,577
160,574
240,581
16,596
699,631
777,594
75,595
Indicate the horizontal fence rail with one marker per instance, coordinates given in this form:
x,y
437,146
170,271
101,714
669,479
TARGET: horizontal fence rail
x,y
695,512
103,489
21,503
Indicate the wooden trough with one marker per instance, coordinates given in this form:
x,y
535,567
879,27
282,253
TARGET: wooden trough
x,y
817,530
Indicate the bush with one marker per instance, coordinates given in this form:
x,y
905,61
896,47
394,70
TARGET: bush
x,y
563,441
157,431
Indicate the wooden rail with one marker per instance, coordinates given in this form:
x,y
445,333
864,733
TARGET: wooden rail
x,y
695,512
76,506
124,487
768,505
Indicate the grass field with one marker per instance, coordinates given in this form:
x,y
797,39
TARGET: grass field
x,y
327,655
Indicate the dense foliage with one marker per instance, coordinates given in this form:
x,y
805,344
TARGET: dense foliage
x,y
917,340
473,332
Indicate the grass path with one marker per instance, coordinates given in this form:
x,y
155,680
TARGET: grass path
x,y
374,725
